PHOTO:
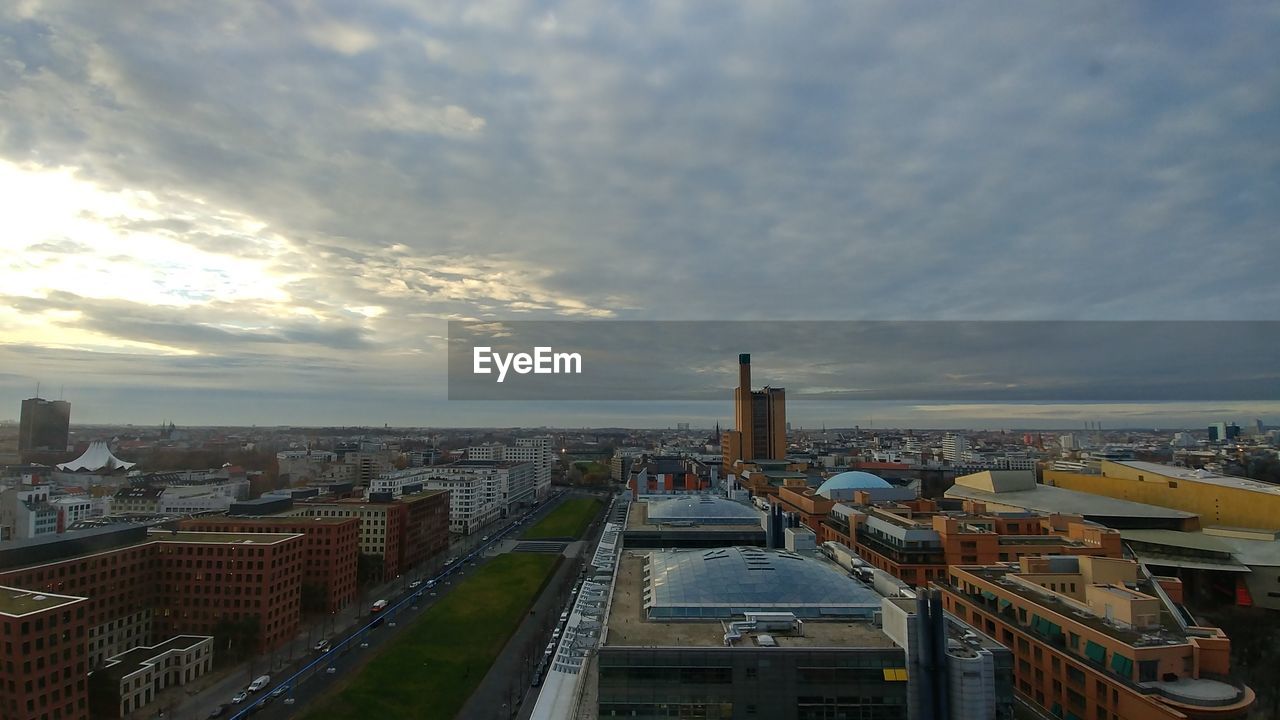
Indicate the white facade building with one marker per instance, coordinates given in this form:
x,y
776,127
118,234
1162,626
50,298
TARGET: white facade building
x,y
955,448
536,450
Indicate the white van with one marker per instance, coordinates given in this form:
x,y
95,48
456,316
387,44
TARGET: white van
x,y
259,683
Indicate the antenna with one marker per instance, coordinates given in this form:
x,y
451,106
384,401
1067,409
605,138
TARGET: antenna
x,y
60,389
37,389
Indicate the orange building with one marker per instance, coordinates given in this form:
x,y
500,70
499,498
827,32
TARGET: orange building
x,y
760,422
330,551
666,475
805,502
915,541
1095,638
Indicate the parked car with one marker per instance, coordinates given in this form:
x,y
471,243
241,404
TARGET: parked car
x,y
413,585
279,691
323,646
240,697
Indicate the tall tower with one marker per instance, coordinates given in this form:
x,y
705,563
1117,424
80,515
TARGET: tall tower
x,y
44,425
760,422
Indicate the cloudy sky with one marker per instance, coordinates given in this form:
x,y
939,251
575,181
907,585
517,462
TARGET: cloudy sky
x,y
265,212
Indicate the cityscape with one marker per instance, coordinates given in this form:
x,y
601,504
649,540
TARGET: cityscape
x,y
893,573
658,360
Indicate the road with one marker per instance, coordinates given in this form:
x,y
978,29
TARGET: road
x,y
353,644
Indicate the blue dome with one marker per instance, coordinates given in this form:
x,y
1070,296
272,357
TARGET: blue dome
x,y
852,480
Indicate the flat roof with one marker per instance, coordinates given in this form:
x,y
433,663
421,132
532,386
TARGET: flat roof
x,y
1202,476
628,625
131,661
1178,539
1049,600
1051,499
16,602
222,538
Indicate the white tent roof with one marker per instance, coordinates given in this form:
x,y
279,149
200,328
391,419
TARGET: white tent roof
x,y
97,457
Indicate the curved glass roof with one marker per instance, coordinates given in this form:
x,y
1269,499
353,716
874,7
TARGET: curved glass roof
x,y
852,480
727,582
702,509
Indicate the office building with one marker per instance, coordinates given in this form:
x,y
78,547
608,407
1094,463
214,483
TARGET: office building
x,y
916,541
145,585
535,450
44,660
401,534
27,512
955,448
330,552
1099,638
669,475
760,422
1219,500
44,425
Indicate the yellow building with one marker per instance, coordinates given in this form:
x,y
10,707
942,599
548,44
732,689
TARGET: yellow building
x,y
1218,499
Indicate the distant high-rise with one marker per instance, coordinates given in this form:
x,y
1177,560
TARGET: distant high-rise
x,y
45,425
955,448
760,421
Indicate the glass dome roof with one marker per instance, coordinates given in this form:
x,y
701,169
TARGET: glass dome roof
x,y
727,582
702,509
852,480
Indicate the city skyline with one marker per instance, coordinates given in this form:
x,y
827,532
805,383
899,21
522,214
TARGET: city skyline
x,y
270,216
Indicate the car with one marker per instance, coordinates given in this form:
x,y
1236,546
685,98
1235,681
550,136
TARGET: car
x,y
431,584
240,697
218,711
331,670
414,585
322,646
259,683
564,616
452,560
484,539
279,691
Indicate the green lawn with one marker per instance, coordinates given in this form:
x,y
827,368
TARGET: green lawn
x,y
435,665
569,520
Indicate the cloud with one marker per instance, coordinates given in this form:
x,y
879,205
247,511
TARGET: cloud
x,y
278,163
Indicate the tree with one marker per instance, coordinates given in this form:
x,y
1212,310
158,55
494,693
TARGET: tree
x,y
368,569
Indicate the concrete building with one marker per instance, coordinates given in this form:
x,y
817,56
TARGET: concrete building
x,y
137,675
1219,500
299,466
1096,637
620,465
44,425
480,491
953,671
955,448
1014,490
692,521
27,512
538,451
760,422
330,552
669,475
45,661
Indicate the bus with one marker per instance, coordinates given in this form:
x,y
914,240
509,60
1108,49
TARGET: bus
x,y
378,606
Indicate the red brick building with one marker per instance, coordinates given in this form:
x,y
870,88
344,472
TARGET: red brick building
x,y
330,551
141,587
402,533
42,656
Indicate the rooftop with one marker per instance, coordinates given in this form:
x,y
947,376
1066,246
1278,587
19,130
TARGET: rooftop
x,y
638,519
722,583
703,509
17,602
131,661
629,626
1201,476
1050,499
222,538
1167,633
